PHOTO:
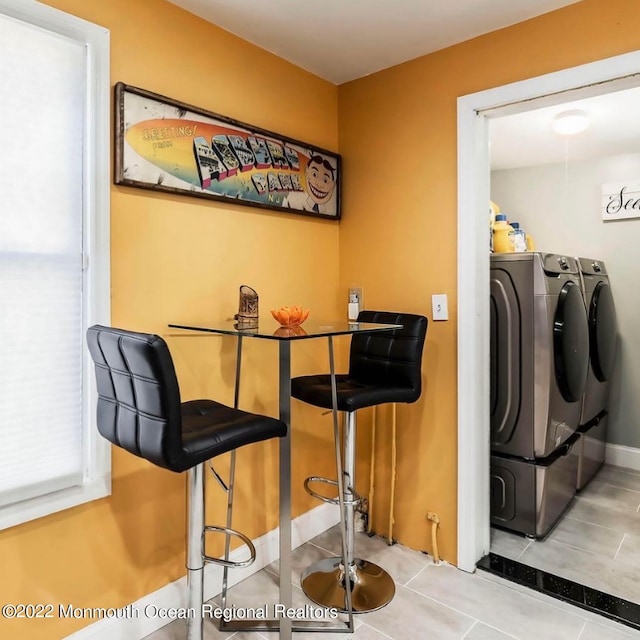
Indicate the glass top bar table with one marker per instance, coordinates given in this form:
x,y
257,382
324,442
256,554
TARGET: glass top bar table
x,y
268,329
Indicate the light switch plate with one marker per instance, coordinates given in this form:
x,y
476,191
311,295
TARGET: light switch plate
x,y
439,306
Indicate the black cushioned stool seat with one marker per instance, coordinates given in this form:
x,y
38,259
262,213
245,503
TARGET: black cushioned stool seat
x,y
140,410
384,367
352,394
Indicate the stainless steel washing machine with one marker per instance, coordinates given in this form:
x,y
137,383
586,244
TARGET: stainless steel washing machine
x,y
602,349
603,337
539,352
539,363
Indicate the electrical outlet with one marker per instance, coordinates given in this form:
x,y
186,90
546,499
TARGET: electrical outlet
x,y
355,302
439,306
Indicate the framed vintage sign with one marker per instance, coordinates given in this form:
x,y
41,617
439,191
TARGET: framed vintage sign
x,y
166,145
620,200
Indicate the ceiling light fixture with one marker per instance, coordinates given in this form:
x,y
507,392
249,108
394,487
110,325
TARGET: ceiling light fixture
x,y
569,123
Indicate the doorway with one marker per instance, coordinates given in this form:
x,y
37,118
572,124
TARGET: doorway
x,y
474,113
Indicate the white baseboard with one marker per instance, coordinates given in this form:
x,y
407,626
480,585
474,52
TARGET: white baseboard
x,y
621,456
138,620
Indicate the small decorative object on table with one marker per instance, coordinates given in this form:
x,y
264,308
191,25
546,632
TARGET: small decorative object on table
x,y
290,316
289,332
247,315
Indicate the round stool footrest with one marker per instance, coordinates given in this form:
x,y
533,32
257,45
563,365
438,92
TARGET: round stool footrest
x,y
230,563
371,586
357,499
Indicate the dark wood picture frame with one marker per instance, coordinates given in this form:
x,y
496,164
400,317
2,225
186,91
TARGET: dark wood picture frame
x,y
166,145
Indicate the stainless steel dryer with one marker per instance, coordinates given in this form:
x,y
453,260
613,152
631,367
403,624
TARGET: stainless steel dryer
x,y
539,362
602,337
539,352
602,347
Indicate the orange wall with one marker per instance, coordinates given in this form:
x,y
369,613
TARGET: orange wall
x,y
174,258
398,236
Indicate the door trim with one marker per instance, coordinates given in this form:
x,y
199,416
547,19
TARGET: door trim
x,y
474,112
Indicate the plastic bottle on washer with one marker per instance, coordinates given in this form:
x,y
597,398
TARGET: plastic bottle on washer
x,y
502,241
518,238
494,209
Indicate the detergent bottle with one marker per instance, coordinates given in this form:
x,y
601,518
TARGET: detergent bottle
x,y
502,240
518,238
493,210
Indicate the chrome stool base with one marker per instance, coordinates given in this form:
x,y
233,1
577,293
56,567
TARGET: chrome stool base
x,y
323,583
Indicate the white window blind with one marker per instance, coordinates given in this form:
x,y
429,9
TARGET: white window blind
x,y
42,96
48,208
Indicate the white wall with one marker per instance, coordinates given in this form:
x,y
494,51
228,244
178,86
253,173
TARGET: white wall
x,y
559,205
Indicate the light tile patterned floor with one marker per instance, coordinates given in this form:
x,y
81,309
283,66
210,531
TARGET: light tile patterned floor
x,y
431,602
596,543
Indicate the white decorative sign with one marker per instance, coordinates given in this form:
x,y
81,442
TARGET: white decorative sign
x,y
620,200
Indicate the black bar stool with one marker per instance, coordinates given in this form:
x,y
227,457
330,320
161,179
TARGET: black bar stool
x,y
139,409
384,367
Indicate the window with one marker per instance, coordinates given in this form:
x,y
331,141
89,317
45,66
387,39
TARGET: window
x,y
54,257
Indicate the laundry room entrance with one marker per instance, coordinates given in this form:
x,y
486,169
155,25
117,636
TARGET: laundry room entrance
x,y
554,186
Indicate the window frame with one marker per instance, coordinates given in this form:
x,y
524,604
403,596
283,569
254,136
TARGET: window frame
x,y
96,308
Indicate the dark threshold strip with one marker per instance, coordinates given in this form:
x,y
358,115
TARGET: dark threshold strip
x,y
617,609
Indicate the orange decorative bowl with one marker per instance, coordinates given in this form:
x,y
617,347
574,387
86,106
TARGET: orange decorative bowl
x,y
288,332
290,316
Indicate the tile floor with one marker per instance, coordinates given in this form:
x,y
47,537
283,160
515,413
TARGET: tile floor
x,y
597,541
434,602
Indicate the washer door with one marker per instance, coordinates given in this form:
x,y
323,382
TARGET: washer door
x,y
571,343
505,372
602,332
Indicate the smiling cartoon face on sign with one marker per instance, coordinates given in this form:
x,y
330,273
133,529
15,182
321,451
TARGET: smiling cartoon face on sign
x,y
320,179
